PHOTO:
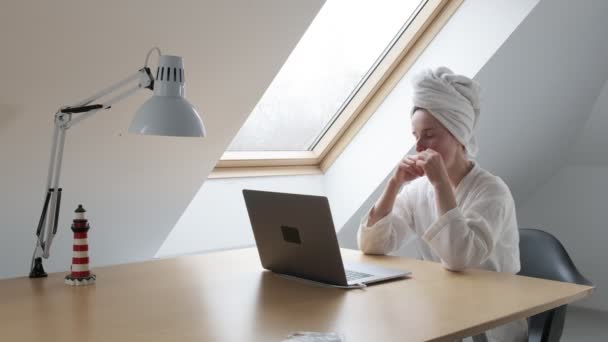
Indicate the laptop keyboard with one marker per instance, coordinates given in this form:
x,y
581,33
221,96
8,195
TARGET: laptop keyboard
x,y
352,275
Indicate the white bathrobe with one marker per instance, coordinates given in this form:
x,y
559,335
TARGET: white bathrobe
x,y
481,232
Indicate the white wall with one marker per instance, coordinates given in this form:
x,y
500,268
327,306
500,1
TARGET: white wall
x,y
135,187
539,90
217,218
591,145
572,204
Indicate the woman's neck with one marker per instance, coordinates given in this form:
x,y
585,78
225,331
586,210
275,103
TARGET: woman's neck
x,y
459,170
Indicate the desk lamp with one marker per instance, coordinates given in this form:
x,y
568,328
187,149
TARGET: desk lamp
x,y
166,113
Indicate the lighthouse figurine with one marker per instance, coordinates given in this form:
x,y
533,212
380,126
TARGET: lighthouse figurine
x,y
80,274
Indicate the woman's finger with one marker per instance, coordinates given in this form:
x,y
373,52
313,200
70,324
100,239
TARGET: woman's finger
x,y
407,165
421,164
409,157
423,156
412,168
417,169
410,173
409,162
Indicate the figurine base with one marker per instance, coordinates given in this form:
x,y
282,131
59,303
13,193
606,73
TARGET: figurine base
x,y
80,281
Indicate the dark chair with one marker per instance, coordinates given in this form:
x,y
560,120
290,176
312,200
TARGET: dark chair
x,y
543,256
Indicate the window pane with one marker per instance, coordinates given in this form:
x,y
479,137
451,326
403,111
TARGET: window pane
x,y
336,52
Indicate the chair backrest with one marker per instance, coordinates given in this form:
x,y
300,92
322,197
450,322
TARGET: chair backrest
x,y
543,256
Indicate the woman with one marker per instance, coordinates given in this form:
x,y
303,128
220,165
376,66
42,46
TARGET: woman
x,y
456,212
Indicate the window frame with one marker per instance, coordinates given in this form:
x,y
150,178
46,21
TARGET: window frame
x,y
359,108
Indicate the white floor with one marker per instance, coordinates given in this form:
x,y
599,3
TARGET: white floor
x,y
585,325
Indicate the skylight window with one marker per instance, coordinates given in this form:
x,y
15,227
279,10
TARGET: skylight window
x,y
339,50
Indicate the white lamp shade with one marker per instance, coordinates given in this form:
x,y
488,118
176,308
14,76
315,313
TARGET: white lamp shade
x,y
168,112
169,116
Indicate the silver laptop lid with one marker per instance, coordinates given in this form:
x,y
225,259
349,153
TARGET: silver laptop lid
x,y
295,235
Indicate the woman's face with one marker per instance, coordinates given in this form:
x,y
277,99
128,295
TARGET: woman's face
x,y
430,133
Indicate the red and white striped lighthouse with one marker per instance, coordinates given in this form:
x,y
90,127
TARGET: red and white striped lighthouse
x,y
80,274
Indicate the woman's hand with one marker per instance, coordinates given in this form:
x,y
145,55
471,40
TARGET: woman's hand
x,y
431,163
434,168
407,170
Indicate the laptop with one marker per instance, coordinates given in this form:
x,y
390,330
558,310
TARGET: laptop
x,y
295,236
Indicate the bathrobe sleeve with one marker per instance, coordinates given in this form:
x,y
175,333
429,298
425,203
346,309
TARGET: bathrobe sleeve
x,y
466,237
391,231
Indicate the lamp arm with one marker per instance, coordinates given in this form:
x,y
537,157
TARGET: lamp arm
x,y
65,118
144,75
86,109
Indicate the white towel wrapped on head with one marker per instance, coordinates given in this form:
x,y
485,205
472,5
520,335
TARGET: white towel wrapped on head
x,y
453,100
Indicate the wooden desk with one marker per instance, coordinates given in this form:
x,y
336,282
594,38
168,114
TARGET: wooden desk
x,y
227,296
